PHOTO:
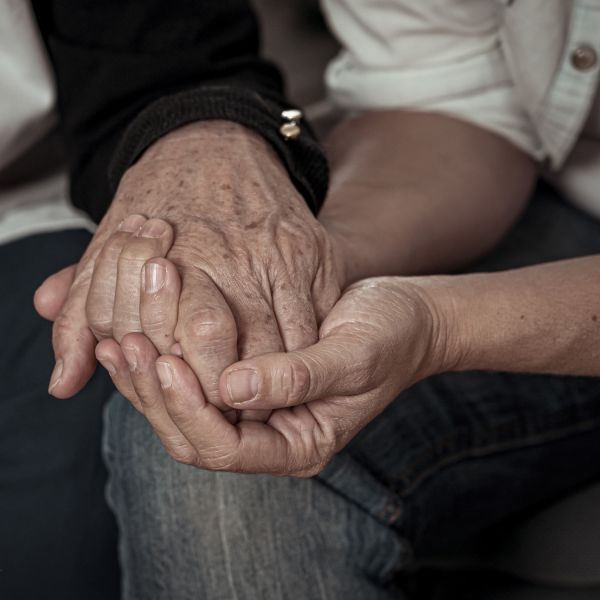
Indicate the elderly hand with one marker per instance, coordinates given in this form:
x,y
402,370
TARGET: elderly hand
x,y
382,336
258,271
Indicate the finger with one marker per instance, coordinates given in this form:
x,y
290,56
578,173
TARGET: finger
x,y
101,297
206,332
73,341
153,240
325,291
341,364
141,356
258,329
159,302
111,357
295,315
50,297
200,421
250,447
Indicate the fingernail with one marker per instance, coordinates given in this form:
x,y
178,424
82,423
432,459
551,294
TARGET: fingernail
x,y
112,370
165,374
176,349
130,354
155,276
242,385
153,228
132,223
56,373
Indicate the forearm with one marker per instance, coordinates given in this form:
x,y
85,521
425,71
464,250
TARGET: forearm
x,y
540,319
416,193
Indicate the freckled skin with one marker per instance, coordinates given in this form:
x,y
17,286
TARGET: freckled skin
x,y
237,219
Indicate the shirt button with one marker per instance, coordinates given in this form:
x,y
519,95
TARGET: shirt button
x,y
584,58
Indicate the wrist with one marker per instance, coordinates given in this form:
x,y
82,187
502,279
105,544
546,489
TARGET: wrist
x,y
202,139
447,332
356,253
216,169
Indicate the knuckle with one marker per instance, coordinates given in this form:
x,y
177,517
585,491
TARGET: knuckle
x,y
318,465
161,335
155,320
147,400
296,382
138,250
112,248
225,462
181,454
309,472
61,324
317,469
63,328
101,329
100,323
122,326
210,324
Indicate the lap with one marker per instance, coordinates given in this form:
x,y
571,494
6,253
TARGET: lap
x,y
464,450
57,536
450,457
461,452
236,536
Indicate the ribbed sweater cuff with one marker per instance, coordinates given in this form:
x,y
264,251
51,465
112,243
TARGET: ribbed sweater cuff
x,y
303,157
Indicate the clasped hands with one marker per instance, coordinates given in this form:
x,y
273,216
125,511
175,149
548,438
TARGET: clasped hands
x,y
222,323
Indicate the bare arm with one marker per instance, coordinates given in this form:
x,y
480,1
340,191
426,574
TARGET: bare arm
x,y
417,193
541,319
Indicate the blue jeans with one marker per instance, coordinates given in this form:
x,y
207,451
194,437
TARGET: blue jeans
x,y
58,539
451,457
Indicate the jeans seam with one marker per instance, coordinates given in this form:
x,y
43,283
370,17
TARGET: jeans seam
x,y
497,447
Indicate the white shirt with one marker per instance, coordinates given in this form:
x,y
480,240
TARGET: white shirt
x,y
504,65
27,115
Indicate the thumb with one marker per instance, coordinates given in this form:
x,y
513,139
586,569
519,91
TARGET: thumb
x,y
73,341
50,297
341,364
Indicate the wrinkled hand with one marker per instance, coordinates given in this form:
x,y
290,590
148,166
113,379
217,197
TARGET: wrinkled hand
x,y
382,336
258,272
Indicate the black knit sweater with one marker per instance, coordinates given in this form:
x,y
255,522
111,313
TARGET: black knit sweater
x,y
130,71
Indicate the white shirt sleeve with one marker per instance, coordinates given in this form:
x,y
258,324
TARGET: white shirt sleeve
x,y
428,55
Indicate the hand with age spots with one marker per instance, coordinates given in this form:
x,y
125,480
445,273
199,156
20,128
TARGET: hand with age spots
x,y
258,272
378,339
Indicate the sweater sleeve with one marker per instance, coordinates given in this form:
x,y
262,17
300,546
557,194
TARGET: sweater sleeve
x,y
130,71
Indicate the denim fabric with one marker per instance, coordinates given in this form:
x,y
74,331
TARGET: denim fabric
x,y
58,539
452,456
187,533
